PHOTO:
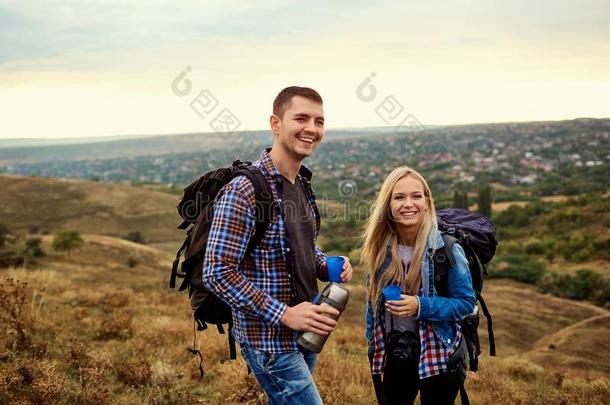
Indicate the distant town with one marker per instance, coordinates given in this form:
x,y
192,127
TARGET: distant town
x,y
566,157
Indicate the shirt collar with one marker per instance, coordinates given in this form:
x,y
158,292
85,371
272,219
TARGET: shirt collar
x,y
435,241
272,171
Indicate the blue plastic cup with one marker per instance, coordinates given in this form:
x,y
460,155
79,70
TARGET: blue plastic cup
x,y
391,293
334,264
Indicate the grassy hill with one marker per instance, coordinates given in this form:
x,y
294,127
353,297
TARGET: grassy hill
x,y
89,207
90,328
99,331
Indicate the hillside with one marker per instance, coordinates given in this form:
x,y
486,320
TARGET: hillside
x,y
103,332
99,325
50,204
88,207
13,152
80,149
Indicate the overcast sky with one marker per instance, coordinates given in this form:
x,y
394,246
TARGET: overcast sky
x,y
95,68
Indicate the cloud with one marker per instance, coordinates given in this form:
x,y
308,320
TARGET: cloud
x,y
121,57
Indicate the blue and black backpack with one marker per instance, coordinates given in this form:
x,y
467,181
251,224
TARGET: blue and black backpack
x,y
476,234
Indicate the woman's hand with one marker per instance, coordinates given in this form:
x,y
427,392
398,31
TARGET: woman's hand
x,y
407,306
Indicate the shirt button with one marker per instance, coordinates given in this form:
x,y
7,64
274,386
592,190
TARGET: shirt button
x,y
448,340
287,249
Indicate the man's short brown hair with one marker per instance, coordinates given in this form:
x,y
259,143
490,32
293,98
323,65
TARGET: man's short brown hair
x,y
284,97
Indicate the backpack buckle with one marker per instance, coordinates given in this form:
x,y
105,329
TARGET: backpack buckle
x,y
451,230
239,164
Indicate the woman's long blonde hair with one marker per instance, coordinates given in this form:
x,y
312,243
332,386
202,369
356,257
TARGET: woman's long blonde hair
x,y
381,232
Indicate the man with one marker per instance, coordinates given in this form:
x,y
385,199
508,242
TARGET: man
x,y
271,290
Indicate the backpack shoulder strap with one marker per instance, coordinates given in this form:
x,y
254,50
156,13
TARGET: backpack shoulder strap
x,y
464,395
232,350
443,260
379,392
490,330
441,275
263,210
449,241
175,272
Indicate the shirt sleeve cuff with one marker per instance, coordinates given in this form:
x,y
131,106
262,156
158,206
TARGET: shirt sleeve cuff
x,y
273,311
321,272
420,307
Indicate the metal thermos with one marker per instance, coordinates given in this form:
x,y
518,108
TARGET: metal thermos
x,y
335,296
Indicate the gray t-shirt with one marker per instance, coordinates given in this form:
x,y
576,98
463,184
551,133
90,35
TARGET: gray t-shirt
x,y
300,227
402,324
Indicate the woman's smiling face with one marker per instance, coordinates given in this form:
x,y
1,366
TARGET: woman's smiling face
x,y
408,204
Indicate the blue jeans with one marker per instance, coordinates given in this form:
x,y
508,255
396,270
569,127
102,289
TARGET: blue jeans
x,y
285,377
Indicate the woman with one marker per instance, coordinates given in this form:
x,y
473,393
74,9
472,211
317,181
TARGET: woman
x,y
415,342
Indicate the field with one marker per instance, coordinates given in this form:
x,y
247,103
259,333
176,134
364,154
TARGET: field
x,y
89,207
89,328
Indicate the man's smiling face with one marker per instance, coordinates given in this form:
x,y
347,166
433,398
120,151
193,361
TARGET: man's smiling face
x,y
301,128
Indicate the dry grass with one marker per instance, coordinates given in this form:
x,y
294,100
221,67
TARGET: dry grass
x,y
99,331
523,316
514,380
105,333
562,266
501,206
584,347
88,207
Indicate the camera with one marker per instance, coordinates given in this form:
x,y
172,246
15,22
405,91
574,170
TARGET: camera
x,y
403,348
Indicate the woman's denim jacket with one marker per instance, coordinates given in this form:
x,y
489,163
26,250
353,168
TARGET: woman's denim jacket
x,y
442,312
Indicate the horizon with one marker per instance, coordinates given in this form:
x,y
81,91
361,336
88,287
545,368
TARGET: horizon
x,y
117,137
87,70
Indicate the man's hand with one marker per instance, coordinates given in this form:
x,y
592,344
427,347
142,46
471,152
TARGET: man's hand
x,y
308,317
346,274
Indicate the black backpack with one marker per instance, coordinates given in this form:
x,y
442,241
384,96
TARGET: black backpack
x,y
476,234
196,207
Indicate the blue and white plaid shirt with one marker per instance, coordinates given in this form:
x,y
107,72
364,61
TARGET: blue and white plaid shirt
x,y
257,287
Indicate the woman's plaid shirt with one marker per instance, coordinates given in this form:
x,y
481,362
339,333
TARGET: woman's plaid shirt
x,y
258,287
434,357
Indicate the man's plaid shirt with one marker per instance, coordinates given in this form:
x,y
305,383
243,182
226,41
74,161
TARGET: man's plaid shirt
x,y
258,287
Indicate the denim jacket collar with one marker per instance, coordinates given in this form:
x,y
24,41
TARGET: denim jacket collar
x,y
435,240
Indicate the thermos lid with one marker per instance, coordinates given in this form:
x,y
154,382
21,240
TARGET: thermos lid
x,y
335,295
